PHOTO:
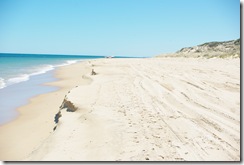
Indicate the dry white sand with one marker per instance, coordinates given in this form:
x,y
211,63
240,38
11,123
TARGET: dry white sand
x,y
151,109
167,109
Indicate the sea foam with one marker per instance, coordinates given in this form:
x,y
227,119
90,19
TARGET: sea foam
x,y
2,83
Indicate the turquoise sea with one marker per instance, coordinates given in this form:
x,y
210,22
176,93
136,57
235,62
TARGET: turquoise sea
x,y
15,68
22,76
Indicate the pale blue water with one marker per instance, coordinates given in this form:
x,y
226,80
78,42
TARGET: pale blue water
x,y
22,76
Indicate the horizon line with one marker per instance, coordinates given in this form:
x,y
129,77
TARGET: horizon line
x,y
73,55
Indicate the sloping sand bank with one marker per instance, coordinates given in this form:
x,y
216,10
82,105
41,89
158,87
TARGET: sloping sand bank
x,y
36,120
167,109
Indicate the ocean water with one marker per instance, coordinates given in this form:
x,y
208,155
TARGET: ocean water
x,y
22,76
16,68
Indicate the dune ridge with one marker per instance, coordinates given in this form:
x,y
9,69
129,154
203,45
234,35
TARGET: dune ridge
x,y
224,49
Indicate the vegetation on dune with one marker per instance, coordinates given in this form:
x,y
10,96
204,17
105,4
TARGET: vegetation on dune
x,y
225,49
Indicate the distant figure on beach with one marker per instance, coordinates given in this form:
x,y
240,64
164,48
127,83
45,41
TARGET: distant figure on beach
x,y
93,72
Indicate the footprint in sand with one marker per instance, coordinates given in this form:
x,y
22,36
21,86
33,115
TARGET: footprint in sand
x,y
161,156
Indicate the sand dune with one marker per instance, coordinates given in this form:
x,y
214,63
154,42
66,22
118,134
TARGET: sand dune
x,y
167,109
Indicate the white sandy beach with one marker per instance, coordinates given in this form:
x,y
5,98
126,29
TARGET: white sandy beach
x,y
157,109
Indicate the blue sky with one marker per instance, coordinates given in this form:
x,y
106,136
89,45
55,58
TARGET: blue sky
x,y
115,27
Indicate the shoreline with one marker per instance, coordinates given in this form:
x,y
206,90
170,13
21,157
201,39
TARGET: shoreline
x,y
21,93
21,132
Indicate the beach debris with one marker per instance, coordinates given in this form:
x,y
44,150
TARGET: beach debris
x,y
93,72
